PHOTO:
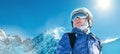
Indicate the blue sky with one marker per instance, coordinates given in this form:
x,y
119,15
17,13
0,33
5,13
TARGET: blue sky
x,y
30,17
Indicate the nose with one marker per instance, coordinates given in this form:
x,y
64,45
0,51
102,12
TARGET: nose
x,y
77,19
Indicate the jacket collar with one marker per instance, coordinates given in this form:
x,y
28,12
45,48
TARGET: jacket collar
x,y
78,31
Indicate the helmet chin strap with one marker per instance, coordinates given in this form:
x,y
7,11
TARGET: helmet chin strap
x,y
85,27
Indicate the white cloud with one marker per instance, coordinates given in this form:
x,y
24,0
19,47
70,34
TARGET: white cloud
x,y
110,40
2,34
56,32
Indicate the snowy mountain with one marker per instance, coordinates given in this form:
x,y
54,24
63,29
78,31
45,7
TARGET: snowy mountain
x,y
14,44
46,42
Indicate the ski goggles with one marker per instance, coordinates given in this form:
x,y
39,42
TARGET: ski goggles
x,y
79,15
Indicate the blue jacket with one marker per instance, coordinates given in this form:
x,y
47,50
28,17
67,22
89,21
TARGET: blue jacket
x,y
85,44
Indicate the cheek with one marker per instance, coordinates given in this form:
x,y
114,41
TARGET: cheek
x,y
83,22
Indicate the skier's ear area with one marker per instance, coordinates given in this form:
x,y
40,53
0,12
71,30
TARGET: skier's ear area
x,y
72,23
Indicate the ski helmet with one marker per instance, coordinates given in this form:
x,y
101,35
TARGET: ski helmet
x,y
82,13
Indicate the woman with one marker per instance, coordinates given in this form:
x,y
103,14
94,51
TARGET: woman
x,y
82,41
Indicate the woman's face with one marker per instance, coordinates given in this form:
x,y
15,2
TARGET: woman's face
x,y
78,22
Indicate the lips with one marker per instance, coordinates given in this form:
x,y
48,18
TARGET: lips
x,y
78,23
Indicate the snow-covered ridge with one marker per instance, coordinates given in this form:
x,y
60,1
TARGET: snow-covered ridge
x,y
15,44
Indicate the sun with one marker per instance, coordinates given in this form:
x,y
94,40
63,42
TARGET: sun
x,y
103,5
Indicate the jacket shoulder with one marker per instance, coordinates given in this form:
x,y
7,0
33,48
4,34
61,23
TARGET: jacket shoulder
x,y
94,37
